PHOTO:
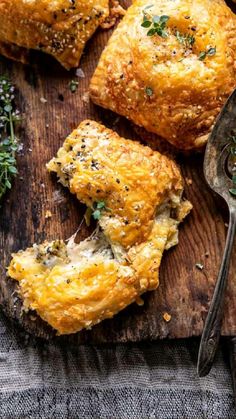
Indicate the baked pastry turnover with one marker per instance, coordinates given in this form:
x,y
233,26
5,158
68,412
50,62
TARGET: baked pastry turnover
x,y
169,66
58,27
135,194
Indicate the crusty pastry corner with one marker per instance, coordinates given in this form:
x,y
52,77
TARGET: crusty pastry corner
x,y
60,27
136,194
172,82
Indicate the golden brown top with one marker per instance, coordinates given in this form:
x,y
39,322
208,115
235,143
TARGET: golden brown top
x,y
131,180
169,66
59,27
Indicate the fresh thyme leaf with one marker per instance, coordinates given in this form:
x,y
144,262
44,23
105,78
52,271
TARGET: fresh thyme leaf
x,y
148,7
8,143
98,207
97,214
73,86
211,51
157,24
151,32
101,205
164,19
204,54
146,24
232,191
156,19
148,91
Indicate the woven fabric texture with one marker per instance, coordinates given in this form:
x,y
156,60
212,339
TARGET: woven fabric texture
x,y
40,380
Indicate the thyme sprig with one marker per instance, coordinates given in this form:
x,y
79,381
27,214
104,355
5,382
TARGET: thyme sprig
x,y
155,24
8,142
232,190
186,40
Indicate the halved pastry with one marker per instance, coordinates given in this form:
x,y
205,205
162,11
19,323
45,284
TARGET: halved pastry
x,y
169,66
135,194
60,28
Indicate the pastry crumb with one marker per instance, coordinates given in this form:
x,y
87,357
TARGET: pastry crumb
x,y
166,317
85,97
188,181
48,214
43,100
139,301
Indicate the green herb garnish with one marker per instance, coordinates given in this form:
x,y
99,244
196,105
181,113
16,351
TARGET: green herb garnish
x,y
204,54
232,190
8,142
95,211
156,24
186,40
148,91
73,86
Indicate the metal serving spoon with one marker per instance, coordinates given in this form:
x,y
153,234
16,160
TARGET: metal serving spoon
x,y
219,167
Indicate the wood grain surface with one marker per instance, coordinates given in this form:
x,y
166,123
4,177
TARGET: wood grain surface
x,y
185,290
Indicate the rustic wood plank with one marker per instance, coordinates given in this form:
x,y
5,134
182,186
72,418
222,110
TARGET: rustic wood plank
x,y
184,291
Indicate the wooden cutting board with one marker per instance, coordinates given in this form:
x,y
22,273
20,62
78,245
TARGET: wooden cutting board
x,y
185,290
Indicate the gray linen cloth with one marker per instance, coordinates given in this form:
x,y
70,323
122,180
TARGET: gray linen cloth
x,y
157,380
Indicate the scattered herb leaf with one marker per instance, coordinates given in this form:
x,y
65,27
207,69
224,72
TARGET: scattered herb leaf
x,y
148,91
211,51
149,6
98,208
73,86
9,116
204,54
233,191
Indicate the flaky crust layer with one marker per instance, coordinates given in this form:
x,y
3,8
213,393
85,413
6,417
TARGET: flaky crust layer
x,y
98,165
160,83
76,286
60,28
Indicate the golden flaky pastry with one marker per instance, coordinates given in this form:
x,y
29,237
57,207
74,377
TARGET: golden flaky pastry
x,y
135,193
58,27
169,67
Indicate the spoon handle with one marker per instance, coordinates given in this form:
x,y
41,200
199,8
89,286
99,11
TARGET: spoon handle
x,y
211,331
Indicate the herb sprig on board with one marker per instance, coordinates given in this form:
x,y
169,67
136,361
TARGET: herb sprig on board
x,y
155,24
232,190
8,142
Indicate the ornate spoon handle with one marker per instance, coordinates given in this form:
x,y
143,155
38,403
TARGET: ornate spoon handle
x,y
212,327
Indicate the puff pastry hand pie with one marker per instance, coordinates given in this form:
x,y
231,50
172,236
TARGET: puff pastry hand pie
x,y
169,66
58,27
135,193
